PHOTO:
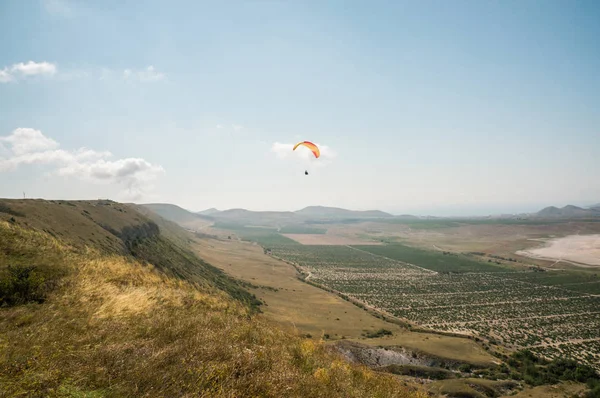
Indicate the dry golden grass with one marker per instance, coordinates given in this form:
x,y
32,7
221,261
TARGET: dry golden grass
x,y
115,327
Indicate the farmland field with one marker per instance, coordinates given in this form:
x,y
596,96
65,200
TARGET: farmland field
x,y
297,306
502,300
554,313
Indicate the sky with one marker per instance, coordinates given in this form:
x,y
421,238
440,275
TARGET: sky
x,y
423,107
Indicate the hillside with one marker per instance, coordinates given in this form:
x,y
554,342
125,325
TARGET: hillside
x,y
275,219
208,212
263,218
99,300
335,212
568,211
183,217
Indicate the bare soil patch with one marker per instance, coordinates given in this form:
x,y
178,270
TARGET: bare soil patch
x,y
328,240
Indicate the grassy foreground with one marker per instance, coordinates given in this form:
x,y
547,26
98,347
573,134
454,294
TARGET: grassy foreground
x,y
104,324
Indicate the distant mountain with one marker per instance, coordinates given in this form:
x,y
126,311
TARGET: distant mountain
x,y
568,211
183,217
274,219
336,212
208,212
256,218
595,207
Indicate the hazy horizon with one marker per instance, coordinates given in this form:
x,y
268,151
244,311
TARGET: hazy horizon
x,y
426,108
447,211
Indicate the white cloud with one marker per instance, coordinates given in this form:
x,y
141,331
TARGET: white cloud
x,y
145,75
237,127
219,126
303,154
23,70
26,140
29,146
34,68
5,76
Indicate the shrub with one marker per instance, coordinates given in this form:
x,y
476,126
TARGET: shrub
x,y
20,284
379,333
465,367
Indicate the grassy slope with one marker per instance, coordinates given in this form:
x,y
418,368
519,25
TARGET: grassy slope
x,y
114,325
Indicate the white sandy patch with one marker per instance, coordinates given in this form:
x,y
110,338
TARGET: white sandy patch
x,y
584,249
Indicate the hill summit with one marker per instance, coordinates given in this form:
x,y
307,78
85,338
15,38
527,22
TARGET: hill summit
x,y
569,211
208,212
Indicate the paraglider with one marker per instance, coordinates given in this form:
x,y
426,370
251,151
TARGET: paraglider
x,y
313,148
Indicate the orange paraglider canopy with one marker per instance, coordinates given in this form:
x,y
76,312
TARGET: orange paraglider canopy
x,y
311,146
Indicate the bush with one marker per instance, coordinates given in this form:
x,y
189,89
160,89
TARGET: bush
x,y
594,386
537,371
21,284
465,367
380,333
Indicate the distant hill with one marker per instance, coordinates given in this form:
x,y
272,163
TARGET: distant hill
x,y
277,219
264,218
208,212
595,207
336,212
178,215
568,211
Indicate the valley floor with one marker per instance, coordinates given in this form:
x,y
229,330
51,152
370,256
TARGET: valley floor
x,y
308,309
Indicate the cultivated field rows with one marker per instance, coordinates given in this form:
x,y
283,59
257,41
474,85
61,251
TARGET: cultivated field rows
x,y
551,313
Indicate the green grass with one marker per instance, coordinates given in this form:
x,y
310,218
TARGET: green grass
x,y
433,260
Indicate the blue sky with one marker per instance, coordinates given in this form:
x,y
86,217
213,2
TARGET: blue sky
x,y
424,107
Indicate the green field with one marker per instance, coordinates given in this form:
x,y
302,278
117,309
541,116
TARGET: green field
x,y
433,260
554,313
